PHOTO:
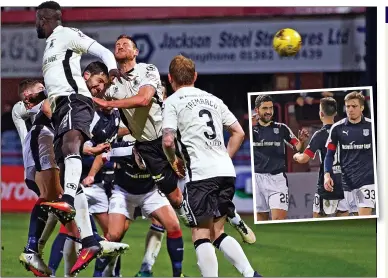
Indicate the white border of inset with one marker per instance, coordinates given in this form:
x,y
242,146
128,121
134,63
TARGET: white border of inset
x,y
370,88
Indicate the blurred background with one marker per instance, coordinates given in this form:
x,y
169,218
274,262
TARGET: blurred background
x,y
232,48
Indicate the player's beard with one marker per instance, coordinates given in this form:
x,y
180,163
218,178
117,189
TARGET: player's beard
x,y
124,58
40,32
265,118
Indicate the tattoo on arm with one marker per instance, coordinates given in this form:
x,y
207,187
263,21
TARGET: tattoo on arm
x,y
169,143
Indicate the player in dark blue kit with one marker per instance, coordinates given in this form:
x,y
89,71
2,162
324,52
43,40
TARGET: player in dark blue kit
x,y
269,140
325,203
352,136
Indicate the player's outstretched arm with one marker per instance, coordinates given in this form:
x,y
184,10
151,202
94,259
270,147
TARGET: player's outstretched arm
x,y
237,137
301,158
169,150
98,162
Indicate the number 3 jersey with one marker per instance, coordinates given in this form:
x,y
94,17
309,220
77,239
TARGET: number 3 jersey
x,y
318,144
199,119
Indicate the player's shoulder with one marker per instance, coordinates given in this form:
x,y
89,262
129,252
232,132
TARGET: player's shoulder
x,y
368,120
339,123
19,110
280,125
146,67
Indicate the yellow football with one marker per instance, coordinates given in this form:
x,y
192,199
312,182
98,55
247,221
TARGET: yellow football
x,y
287,42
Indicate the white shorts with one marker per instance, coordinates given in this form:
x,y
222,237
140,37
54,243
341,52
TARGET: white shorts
x,y
271,192
97,199
38,149
365,196
329,206
125,203
349,203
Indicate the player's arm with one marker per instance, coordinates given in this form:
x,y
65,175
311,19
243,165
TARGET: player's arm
x,y
296,143
309,152
123,130
18,113
331,146
143,98
170,126
46,108
232,125
97,165
89,148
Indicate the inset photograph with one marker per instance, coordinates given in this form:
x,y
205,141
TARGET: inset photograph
x,y
313,155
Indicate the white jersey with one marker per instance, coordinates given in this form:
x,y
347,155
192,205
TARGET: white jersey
x,y
145,123
199,119
61,63
20,115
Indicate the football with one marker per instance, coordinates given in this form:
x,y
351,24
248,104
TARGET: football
x,y
287,42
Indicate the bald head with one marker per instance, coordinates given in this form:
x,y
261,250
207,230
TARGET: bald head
x,y
48,17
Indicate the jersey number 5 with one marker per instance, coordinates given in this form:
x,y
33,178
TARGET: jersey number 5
x,y
209,123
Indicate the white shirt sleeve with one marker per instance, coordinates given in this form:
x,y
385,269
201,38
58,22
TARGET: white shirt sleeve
x,y
104,54
170,116
19,114
78,41
152,77
227,117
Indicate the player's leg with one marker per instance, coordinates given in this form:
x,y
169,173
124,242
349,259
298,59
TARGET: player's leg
x,y
317,206
70,250
56,253
158,206
153,244
366,199
261,198
343,207
229,246
278,196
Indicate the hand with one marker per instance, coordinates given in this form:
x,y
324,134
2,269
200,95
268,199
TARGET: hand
x,y
100,148
300,101
328,183
327,94
88,181
179,167
117,73
303,135
297,156
309,100
101,102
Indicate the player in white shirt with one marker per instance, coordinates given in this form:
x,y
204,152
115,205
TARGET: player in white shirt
x,y
32,120
196,119
73,112
140,101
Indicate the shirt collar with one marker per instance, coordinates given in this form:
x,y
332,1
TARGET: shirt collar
x,y
56,29
347,122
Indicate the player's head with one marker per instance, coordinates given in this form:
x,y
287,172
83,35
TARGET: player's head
x,y
354,105
181,72
327,108
30,89
96,77
48,16
125,49
264,108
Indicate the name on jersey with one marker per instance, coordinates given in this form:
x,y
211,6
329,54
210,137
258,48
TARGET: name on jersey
x,y
213,143
356,147
139,176
50,60
266,144
201,101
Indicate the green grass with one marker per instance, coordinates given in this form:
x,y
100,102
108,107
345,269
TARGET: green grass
x,y
334,248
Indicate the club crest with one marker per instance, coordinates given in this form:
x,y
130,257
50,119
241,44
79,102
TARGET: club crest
x,y
276,130
365,132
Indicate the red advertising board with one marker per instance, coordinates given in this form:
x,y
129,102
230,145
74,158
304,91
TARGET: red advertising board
x,y
15,196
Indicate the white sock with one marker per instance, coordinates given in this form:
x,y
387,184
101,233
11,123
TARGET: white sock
x,y
51,222
153,243
82,218
234,253
69,255
108,271
73,171
236,219
207,260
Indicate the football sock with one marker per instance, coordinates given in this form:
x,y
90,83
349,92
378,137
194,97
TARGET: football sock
x,y
38,220
101,264
234,254
48,229
236,219
82,219
175,250
73,171
117,269
152,247
108,271
69,255
56,252
206,258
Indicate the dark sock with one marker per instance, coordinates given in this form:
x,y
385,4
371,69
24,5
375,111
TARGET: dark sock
x,y
175,250
56,254
88,241
100,265
38,220
68,199
94,229
117,269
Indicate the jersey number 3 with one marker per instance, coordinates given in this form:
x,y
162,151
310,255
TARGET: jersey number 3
x,y
209,123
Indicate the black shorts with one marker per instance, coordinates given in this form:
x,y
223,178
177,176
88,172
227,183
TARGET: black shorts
x,y
210,198
73,112
157,164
